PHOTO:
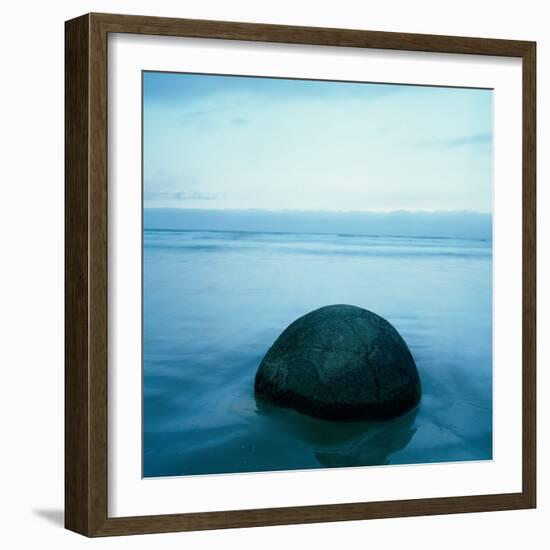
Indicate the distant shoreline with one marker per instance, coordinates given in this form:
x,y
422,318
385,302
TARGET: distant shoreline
x,y
435,225
371,236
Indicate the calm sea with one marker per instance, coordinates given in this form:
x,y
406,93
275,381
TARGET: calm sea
x,y
214,302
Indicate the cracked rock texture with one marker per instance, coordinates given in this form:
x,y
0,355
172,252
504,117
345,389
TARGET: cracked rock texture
x,y
340,362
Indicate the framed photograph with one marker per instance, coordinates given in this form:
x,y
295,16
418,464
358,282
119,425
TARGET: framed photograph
x,y
300,274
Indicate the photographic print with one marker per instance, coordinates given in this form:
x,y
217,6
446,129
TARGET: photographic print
x,y
317,274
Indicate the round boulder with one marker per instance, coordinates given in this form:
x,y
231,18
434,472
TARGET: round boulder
x,y
340,362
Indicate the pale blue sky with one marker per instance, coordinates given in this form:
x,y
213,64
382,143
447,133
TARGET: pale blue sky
x,y
227,142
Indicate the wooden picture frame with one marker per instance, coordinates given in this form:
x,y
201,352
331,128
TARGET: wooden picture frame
x,y
86,282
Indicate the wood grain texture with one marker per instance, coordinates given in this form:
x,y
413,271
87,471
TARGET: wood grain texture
x,y
77,153
98,275
261,32
86,279
529,275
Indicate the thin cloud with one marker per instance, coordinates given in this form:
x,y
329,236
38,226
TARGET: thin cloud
x,y
463,141
180,196
203,112
240,121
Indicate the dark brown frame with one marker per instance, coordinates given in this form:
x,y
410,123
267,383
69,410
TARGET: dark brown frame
x,y
87,286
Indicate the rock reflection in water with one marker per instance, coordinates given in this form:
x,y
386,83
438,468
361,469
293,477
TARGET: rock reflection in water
x,y
344,444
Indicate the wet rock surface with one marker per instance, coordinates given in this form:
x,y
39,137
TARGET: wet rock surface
x,y
340,362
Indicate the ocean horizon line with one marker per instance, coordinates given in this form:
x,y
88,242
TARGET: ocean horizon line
x,y
398,223
369,235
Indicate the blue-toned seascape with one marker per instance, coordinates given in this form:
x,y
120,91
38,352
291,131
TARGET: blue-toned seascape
x,y
214,302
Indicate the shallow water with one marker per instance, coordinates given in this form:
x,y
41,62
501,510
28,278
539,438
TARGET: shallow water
x,y
214,302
